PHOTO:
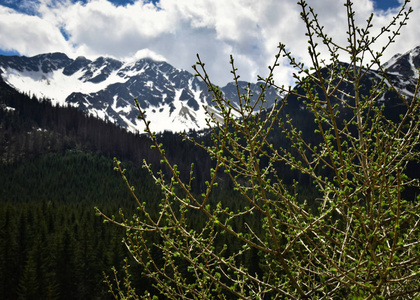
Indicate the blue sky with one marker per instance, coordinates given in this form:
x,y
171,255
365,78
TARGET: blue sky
x,y
175,30
386,4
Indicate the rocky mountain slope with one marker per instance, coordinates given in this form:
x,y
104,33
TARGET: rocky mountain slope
x,y
174,100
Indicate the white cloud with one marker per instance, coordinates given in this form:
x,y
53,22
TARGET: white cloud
x,y
144,53
178,29
29,35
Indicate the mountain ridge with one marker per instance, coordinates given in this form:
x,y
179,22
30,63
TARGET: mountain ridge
x,y
174,99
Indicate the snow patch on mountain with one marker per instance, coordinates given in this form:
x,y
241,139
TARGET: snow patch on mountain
x,y
175,117
55,85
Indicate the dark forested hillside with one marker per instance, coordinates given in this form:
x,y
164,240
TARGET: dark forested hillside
x,y
30,127
55,167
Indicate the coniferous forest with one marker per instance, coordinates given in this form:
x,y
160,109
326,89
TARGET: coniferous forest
x,y
56,166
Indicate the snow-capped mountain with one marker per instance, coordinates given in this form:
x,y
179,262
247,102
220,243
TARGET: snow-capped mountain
x,y
402,73
173,99
406,64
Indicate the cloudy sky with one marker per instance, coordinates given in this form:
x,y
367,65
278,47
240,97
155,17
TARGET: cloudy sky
x,y
175,30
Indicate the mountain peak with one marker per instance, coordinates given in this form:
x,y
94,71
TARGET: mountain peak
x,y
105,87
406,64
51,56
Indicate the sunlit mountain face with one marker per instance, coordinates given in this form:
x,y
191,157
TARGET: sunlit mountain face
x,y
173,99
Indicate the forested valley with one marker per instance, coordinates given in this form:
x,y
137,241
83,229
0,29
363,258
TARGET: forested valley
x,y
56,166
